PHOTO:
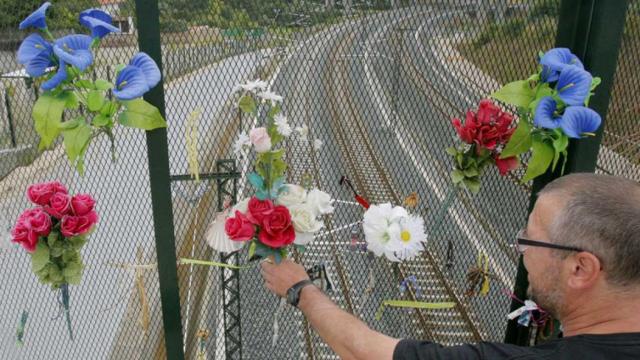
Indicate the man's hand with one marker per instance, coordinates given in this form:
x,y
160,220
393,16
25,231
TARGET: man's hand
x,y
279,278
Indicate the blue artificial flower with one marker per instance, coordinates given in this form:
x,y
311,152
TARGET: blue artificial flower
x,y
149,67
36,19
56,79
74,50
578,120
575,121
130,83
556,60
98,21
36,54
574,85
140,76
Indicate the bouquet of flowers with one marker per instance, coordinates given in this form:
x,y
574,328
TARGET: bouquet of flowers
x,y
62,68
279,215
553,106
54,232
484,134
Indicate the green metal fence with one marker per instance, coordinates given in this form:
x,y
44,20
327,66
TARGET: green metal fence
x,y
378,82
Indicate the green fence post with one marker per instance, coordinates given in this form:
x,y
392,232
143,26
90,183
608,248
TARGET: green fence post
x,y
148,27
592,29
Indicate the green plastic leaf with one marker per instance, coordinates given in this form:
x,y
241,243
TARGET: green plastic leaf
x,y
595,82
142,115
72,273
560,144
541,157
100,121
40,257
109,108
517,93
71,100
76,141
47,114
451,151
55,274
52,238
457,176
471,172
71,124
473,184
252,249
247,104
77,242
95,100
85,84
520,141
274,111
103,84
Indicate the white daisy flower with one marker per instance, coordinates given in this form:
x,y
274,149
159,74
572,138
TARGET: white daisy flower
x,y
408,242
282,125
382,229
269,95
251,86
303,132
241,144
317,144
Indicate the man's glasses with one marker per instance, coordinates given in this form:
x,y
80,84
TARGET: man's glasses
x,y
523,243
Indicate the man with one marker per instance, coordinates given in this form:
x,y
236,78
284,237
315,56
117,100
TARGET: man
x,y
581,248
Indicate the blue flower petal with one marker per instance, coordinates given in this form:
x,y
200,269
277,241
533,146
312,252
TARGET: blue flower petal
x,y
38,65
56,79
555,60
574,85
36,19
31,47
130,83
74,50
96,14
578,120
99,28
543,116
149,67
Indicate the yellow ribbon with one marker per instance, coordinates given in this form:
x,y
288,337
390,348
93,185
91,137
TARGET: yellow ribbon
x,y
483,263
185,261
191,134
412,304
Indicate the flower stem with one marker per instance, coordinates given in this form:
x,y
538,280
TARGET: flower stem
x,y
65,303
435,227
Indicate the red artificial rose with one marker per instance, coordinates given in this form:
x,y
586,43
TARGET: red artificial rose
x,y
59,205
239,228
31,224
506,165
22,235
487,128
257,209
40,194
77,225
277,230
82,204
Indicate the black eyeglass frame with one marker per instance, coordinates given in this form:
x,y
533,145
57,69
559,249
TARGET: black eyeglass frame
x,y
528,242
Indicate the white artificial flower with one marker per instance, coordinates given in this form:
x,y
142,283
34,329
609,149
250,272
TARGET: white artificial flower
x,y
303,132
282,125
241,144
270,96
409,241
320,202
304,219
251,86
317,144
383,229
291,195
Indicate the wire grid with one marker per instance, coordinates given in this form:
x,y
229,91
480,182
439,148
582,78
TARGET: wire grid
x,y
620,153
379,86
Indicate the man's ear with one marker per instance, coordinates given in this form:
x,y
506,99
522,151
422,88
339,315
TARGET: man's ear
x,y
585,269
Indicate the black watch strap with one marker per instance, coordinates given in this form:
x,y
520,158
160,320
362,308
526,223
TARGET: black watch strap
x,y
293,294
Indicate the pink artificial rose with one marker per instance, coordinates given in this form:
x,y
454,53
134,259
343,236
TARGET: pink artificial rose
x,y
78,225
82,204
277,230
59,205
260,139
21,234
257,209
40,194
239,228
506,165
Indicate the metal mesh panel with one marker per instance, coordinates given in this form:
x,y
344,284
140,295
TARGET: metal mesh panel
x,y
105,307
620,153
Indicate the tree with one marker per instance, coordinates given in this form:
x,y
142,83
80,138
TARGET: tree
x,y
63,14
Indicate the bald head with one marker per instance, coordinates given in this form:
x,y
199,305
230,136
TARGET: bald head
x,y
600,214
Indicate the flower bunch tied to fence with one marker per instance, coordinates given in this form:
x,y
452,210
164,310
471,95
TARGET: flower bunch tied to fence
x,y
279,215
75,105
53,233
552,105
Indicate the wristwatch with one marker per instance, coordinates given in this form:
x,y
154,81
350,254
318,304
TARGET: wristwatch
x,y
293,294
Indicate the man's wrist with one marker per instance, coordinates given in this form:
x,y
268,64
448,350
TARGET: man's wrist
x,y
307,294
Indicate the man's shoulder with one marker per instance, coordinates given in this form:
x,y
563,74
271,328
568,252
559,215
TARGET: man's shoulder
x,y
423,350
